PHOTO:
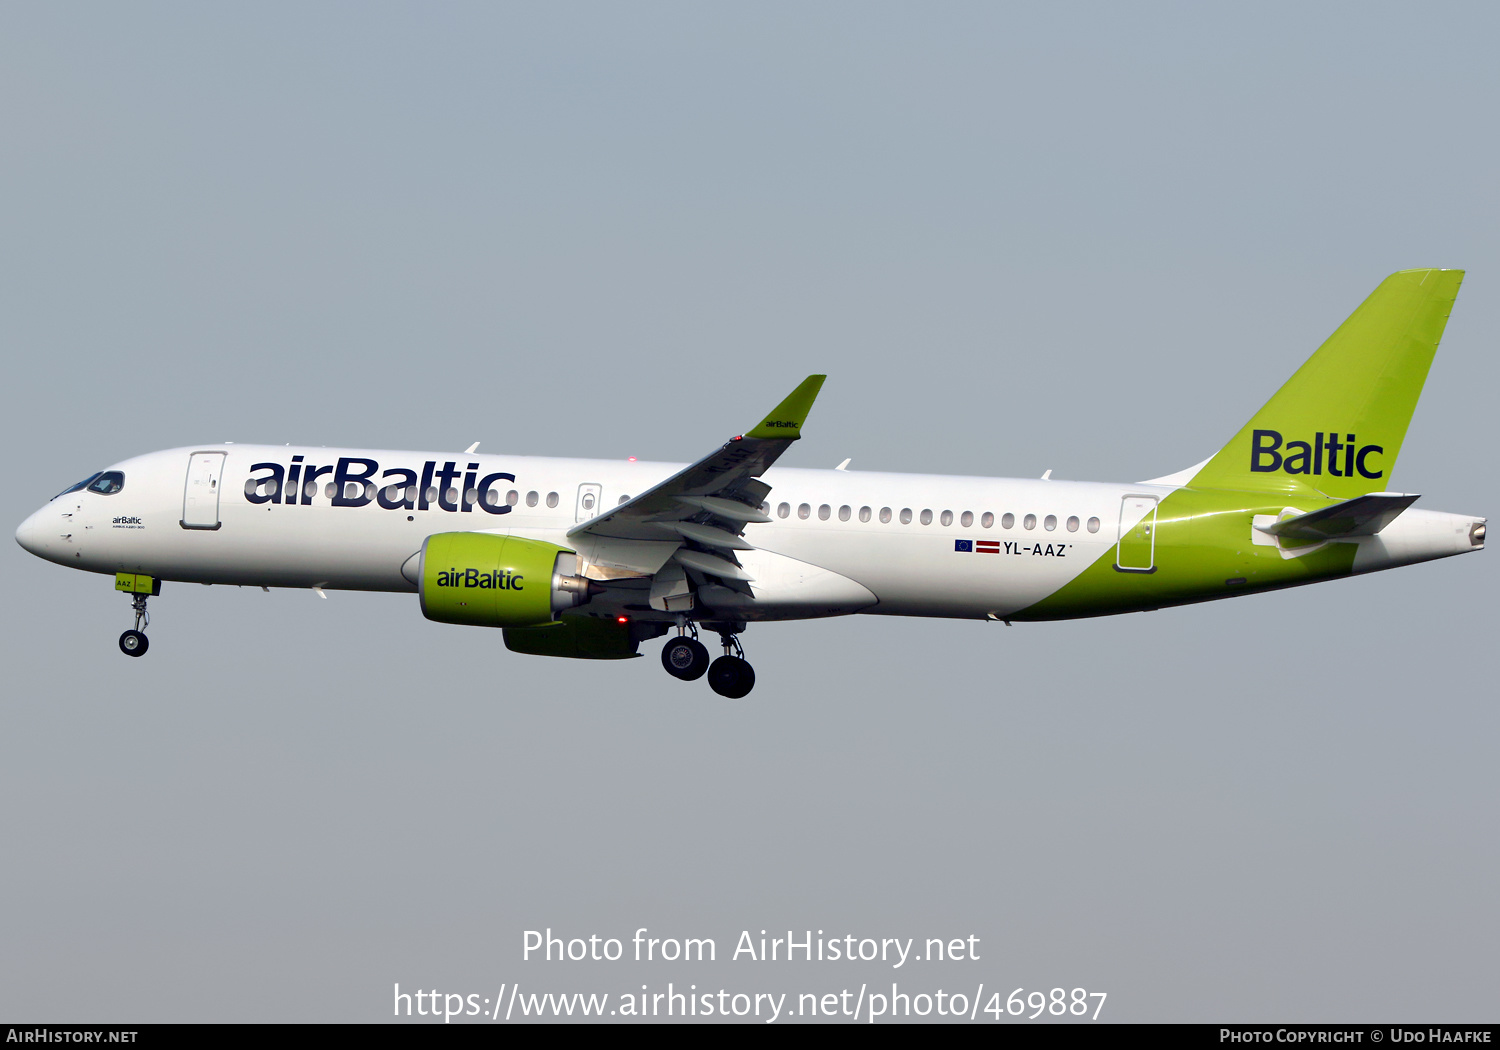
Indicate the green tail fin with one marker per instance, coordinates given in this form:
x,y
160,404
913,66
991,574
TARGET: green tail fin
x,y
1337,425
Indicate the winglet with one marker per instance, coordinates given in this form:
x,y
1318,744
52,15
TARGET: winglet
x,y
786,419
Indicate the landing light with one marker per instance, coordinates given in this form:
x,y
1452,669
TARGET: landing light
x,y
622,619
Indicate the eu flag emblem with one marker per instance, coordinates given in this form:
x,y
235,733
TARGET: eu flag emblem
x,y
967,546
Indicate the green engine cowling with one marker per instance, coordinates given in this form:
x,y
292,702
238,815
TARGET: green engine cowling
x,y
485,580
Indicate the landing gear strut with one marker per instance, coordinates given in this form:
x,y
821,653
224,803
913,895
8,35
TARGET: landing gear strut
x,y
134,642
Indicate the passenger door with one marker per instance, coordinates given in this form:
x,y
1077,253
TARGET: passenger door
x,y
200,497
1136,549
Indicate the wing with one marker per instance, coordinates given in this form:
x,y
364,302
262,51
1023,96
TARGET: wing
x,y
695,519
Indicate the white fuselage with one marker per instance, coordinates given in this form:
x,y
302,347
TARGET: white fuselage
x,y
838,542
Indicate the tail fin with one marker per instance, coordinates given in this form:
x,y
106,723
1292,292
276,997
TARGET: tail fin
x,y
1337,425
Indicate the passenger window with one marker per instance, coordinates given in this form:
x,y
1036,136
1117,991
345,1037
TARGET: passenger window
x,y
431,492
947,518
1030,521
471,497
511,498
551,499
531,499
491,498
844,513
885,515
804,511
765,508
967,519
1073,523
783,510
926,517
987,520
1051,523
864,513
824,511
906,515
1093,524
624,499
1009,521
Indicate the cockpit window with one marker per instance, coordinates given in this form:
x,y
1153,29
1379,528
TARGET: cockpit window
x,y
108,483
85,483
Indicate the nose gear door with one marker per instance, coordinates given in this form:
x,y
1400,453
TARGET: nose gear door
x,y
200,496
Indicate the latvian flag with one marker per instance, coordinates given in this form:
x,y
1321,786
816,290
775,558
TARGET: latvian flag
x,y
977,546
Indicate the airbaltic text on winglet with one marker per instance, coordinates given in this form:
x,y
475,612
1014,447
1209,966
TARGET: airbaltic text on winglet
x,y
1268,455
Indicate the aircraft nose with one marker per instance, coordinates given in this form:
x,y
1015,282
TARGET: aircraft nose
x,y
32,534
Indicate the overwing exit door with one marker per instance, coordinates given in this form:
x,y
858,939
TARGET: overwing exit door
x,y
588,501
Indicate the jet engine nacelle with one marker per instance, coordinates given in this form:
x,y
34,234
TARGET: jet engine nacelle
x,y
486,580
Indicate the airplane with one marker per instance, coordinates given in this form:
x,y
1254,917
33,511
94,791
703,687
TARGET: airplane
x,y
589,558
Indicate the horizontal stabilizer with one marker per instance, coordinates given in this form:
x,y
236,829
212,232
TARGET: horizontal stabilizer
x,y
1361,516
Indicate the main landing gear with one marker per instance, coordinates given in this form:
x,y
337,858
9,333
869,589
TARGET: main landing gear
x,y
686,658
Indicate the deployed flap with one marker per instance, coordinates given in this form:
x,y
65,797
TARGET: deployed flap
x,y
720,490
1361,516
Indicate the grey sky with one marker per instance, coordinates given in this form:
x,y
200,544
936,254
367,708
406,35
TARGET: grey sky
x,y
1090,238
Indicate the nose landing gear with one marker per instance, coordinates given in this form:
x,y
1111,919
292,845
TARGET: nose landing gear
x,y
134,642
